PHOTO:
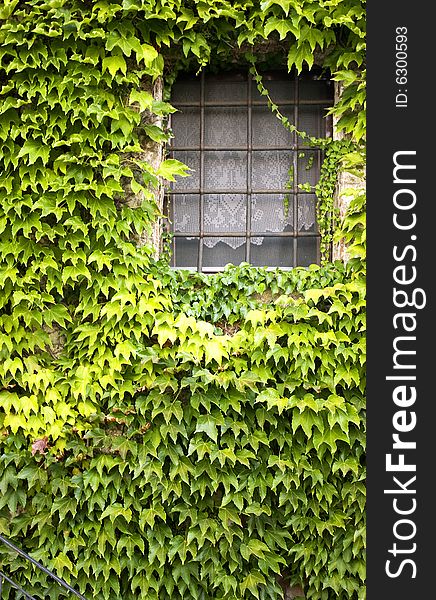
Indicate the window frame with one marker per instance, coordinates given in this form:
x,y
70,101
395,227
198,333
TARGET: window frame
x,y
325,129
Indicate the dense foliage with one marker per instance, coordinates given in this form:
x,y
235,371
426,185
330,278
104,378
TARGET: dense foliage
x,y
164,434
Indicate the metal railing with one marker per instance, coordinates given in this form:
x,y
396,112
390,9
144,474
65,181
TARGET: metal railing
x,y
4,577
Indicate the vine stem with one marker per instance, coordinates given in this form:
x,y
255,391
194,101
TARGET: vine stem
x,y
335,150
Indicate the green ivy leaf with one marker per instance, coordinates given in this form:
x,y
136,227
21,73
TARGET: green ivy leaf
x,y
171,168
252,582
113,64
306,420
117,510
143,98
208,425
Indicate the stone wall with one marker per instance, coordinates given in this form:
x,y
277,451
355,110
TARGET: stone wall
x,y
345,180
152,153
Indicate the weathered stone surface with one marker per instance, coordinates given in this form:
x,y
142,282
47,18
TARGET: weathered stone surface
x,y
152,153
57,341
342,199
295,591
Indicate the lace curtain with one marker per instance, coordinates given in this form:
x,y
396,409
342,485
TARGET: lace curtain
x,y
239,155
227,213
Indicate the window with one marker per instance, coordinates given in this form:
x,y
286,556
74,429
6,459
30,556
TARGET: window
x,y
242,201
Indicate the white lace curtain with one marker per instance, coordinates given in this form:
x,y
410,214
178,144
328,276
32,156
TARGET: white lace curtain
x,y
225,213
226,174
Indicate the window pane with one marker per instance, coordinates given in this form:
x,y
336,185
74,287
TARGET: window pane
x,y
280,90
221,89
186,90
218,252
272,251
225,170
270,169
225,127
272,212
186,252
192,159
308,167
186,213
186,128
267,129
310,120
315,89
307,251
225,213
307,212
282,231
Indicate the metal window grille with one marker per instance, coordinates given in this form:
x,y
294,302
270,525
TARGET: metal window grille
x,y
242,200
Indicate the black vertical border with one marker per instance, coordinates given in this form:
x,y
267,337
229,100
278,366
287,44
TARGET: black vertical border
x,y
391,129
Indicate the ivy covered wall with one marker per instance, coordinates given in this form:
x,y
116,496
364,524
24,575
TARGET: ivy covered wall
x,y
169,435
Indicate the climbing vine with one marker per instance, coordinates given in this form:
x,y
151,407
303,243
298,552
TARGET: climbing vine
x,y
335,154
169,434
